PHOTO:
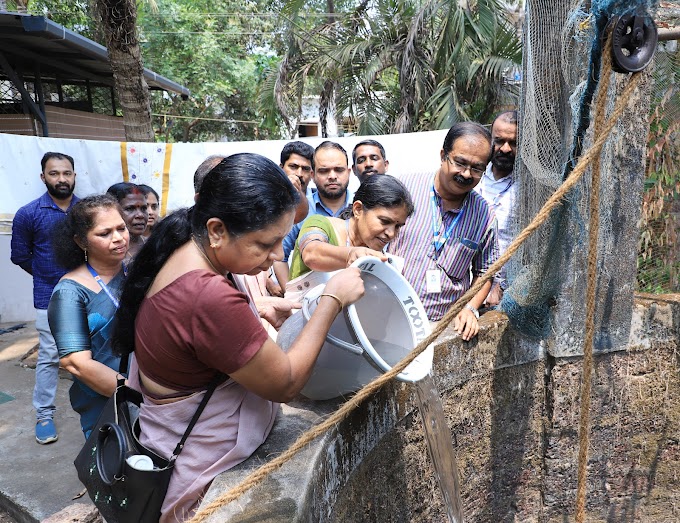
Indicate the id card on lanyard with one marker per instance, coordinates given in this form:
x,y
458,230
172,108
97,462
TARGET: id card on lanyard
x,y
101,283
433,276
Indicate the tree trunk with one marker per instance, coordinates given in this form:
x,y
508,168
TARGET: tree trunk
x,y
119,19
325,104
326,99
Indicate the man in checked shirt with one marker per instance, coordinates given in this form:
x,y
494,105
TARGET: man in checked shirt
x,y
32,251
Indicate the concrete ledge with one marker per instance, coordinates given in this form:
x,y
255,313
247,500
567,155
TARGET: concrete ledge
x,y
306,488
656,318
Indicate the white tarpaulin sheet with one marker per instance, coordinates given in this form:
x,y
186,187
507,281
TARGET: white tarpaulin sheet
x,y
168,168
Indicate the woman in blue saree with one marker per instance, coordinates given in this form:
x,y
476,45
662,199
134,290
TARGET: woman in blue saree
x,y
92,244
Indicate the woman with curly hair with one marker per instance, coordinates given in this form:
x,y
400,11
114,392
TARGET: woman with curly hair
x,y
91,244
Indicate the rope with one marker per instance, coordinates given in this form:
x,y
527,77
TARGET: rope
x,y
261,473
591,286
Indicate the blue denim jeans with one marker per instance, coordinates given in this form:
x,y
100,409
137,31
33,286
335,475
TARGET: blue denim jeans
x,y
46,370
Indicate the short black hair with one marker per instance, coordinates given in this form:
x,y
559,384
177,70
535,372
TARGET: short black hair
x,y
373,143
506,116
331,145
300,148
58,156
461,129
381,191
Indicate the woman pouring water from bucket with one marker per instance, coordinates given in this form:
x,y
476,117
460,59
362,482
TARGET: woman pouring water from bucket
x,y
187,319
380,209
377,331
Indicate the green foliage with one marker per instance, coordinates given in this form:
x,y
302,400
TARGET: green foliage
x,y
397,65
658,254
220,50
73,14
384,65
217,50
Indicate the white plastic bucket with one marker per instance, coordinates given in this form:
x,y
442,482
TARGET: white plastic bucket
x,y
369,338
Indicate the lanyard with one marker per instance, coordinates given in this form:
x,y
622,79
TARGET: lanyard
x,y
498,197
98,279
438,240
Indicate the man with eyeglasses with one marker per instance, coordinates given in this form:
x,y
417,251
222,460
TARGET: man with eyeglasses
x,y
498,188
368,158
451,238
330,174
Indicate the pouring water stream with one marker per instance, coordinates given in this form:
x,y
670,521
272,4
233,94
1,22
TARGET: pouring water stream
x,y
440,446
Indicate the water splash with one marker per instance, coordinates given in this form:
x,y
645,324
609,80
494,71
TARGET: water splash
x,y
440,446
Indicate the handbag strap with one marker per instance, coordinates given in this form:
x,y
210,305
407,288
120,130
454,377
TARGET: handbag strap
x,y
123,365
208,393
219,377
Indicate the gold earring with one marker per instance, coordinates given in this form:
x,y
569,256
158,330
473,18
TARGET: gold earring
x,y
213,246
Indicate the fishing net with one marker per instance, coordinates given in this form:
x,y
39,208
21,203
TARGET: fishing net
x,y
561,65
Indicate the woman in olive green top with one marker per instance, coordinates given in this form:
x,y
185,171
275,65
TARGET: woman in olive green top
x,y
380,209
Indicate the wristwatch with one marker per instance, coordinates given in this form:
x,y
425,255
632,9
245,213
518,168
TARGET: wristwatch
x,y
474,311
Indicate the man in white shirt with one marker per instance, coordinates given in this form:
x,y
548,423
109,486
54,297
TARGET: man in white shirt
x,y
499,189
368,158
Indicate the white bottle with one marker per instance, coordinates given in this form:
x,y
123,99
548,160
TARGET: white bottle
x,y
140,462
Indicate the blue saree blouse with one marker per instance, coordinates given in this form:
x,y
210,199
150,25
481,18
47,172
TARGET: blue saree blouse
x,y
81,319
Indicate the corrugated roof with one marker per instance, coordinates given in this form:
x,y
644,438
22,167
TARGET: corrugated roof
x,y
29,42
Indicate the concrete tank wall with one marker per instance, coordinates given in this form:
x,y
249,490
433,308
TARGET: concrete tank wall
x,y
517,431
513,411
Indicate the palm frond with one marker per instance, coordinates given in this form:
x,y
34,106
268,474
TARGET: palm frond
x,y
397,65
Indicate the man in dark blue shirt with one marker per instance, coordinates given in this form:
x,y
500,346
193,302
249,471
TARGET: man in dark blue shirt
x,y
32,251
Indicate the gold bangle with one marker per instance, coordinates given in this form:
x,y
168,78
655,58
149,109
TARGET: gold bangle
x,y
334,297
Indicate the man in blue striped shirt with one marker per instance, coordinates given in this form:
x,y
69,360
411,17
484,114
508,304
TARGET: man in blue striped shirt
x,y
32,251
451,238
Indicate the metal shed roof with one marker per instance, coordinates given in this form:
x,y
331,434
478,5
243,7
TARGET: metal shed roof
x,y
31,42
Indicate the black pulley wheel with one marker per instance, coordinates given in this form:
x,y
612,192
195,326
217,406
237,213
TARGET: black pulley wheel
x,y
634,40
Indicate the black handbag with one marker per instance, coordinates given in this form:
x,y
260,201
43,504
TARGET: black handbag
x,y
124,494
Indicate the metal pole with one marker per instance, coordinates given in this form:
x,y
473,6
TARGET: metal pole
x,y
41,97
671,33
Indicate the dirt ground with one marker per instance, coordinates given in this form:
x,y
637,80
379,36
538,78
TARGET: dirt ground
x,y
6,518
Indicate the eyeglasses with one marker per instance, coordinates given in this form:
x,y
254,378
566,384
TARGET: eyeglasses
x,y
462,167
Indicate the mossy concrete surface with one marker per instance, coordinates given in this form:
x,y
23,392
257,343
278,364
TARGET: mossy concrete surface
x,y
513,412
